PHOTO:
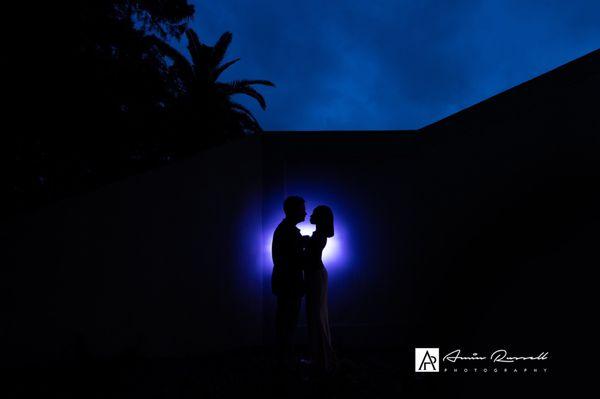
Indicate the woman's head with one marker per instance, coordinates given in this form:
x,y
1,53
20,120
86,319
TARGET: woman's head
x,y
322,217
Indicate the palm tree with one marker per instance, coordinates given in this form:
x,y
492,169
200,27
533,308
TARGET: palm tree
x,y
201,98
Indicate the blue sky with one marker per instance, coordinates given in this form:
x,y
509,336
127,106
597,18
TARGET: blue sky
x,y
382,64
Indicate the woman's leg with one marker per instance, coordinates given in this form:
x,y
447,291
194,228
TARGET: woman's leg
x,y
327,355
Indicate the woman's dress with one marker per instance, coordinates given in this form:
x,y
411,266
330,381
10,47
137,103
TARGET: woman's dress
x,y
317,318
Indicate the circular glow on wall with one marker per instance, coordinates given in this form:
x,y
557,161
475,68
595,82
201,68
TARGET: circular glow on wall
x,y
334,254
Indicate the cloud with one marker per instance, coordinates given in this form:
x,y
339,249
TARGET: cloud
x,y
392,64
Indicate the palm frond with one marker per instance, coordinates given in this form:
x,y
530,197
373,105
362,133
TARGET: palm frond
x,y
222,68
240,108
221,47
248,82
248,125
197,50
254,94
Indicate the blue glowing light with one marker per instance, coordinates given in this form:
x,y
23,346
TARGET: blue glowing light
x,y
335,252
332,251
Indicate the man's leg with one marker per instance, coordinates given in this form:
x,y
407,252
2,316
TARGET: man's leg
x,y
286,319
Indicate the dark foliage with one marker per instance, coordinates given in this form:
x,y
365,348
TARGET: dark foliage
x,y
114,99
202,111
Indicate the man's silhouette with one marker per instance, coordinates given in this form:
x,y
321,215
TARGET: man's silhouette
x,y
287,280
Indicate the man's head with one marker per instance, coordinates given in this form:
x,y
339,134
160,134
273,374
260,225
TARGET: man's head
x,y
294,209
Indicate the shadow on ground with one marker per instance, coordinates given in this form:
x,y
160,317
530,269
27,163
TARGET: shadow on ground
x,y
360,374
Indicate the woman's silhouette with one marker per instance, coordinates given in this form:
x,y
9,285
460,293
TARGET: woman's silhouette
x,y
315,275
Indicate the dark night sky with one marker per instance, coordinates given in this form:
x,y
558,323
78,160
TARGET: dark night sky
x,y
382,64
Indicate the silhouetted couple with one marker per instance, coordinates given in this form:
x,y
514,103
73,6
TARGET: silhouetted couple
x,y
298,271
